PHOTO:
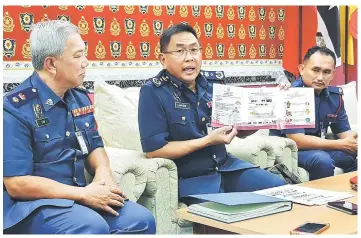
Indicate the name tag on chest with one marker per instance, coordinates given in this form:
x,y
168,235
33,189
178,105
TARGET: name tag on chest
x,y
42,121
182,105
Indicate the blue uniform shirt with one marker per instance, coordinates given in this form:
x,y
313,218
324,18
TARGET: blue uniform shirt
x,y
39,140
169,111
330,111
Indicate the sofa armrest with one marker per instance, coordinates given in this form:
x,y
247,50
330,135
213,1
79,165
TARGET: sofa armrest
x,y
130,177
285,151
254,149
161,193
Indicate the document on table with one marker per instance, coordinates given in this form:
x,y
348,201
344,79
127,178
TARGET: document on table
x,y
304,195
263,108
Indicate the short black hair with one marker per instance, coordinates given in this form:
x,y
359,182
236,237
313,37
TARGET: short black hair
x,y
321,50
169,32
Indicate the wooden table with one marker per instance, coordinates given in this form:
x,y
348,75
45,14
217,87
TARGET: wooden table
x,y
283,223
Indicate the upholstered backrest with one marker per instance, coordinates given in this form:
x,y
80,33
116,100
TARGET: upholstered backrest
x,y
350,100
116,112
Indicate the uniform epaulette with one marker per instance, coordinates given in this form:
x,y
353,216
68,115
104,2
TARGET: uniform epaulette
x,y
20,98
334,89
213,75
159,80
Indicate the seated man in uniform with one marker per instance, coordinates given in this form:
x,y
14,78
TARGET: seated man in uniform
x,y
316,154
50,135
174,109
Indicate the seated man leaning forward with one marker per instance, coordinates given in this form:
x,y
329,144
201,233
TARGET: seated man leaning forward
x,y
316,154
50,135
174,108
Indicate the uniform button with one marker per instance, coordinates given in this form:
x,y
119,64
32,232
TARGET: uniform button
x,y
74,179
203,119
183,118
47,136
34,90
75,159
216,168
86,124
214,156
198,104
67,133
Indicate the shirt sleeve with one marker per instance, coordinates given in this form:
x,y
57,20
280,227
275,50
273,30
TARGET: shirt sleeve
x,y
152,120
97,140
18,152
342,123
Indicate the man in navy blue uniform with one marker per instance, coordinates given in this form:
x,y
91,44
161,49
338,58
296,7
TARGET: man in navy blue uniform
x,y
50,136
316,154
174,110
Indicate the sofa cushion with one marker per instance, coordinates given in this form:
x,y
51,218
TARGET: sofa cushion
x,y
350,100
117,116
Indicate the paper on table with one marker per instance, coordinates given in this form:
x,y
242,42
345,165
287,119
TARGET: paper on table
x,y
304,195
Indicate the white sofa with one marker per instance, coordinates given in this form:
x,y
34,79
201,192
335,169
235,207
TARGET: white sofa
x,y
116,113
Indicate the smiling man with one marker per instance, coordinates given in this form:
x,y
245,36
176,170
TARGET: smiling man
x,y
316,154
174,110
50,136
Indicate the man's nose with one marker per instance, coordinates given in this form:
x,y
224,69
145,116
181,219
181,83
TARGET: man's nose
x,y
85,63
188,56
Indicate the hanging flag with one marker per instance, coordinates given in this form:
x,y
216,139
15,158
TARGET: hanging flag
x,y
353,24
295,47
328,30
351,20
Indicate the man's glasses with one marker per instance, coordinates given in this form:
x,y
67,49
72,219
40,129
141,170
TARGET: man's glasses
x,y
182,52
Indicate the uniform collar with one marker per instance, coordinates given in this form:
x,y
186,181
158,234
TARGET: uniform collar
x,y
179,84
69,96
200,80
299,83
47,97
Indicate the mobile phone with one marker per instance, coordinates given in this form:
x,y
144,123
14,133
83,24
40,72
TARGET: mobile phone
x,y
347,207
310,228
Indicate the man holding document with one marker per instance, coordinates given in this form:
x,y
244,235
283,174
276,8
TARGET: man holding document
x,y
174,122
316,154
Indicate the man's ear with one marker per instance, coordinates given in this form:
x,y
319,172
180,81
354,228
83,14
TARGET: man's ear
x,y
50,65
162,60
301,67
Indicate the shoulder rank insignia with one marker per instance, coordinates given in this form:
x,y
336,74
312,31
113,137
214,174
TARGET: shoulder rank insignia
x,y
22,97
213,75
159,81
334,89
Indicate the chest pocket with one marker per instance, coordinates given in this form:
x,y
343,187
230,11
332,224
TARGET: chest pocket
x,y
48,143
182,125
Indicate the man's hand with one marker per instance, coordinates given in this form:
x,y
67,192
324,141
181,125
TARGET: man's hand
x,y
99,196
284,85
105,174
223,135
349,143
